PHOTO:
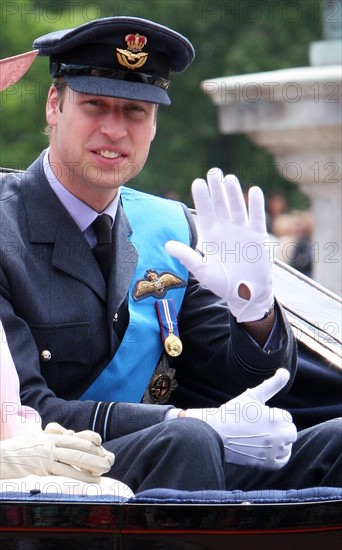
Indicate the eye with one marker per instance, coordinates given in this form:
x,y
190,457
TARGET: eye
x,y
135,108
139,110
95,102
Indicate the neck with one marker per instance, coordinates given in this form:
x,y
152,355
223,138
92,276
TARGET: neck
x,y
96,196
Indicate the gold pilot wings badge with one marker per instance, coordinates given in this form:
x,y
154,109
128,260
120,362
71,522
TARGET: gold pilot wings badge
x,y
156,284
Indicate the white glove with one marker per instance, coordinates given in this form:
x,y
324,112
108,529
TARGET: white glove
x,y
233,247
75,455
253,434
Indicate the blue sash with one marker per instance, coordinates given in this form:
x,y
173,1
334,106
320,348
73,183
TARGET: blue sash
x,y
154,221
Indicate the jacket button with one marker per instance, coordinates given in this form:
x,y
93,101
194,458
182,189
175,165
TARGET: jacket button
x,y
45,355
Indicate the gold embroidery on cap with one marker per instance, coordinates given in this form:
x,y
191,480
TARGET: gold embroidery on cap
x,y
133,58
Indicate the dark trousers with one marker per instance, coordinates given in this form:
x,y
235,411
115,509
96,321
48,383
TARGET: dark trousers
x,y
178,454
316,460
187,454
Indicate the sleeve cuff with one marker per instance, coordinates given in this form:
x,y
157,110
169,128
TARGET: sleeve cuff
x,y
274,341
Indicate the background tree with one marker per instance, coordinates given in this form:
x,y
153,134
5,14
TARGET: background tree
x,y
231,37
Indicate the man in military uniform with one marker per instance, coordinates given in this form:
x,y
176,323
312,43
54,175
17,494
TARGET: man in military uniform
x,y
25,448
111,315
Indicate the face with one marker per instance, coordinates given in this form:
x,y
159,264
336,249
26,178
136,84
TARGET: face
x,y
98,143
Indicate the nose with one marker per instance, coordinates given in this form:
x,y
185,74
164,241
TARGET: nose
x,y
113,125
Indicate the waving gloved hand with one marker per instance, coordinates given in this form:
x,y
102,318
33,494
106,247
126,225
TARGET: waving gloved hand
x,y
253,434
62,452
234,249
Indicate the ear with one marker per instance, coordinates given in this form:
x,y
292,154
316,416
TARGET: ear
x,y
52,106
154,131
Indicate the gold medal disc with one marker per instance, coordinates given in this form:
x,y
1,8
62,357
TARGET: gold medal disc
x,y
173,345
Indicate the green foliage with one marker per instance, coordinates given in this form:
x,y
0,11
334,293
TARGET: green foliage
x,y
231,37
22,106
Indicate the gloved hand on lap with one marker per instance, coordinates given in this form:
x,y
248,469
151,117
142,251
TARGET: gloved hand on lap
x,y
65,453
253,434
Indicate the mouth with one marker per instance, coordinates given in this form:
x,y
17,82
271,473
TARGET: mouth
x,y
104,153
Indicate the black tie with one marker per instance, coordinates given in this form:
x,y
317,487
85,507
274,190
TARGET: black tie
x,y
103,249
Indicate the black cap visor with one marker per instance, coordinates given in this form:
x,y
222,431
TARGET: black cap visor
x,y
122,89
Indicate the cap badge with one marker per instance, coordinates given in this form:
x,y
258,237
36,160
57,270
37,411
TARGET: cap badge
x,y
133,57
156,284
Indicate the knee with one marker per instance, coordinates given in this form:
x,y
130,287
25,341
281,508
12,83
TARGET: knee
x,y
327,435
331,431
195,435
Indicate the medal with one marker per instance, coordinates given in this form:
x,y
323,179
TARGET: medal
x,y
167,318
161,385
173,345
